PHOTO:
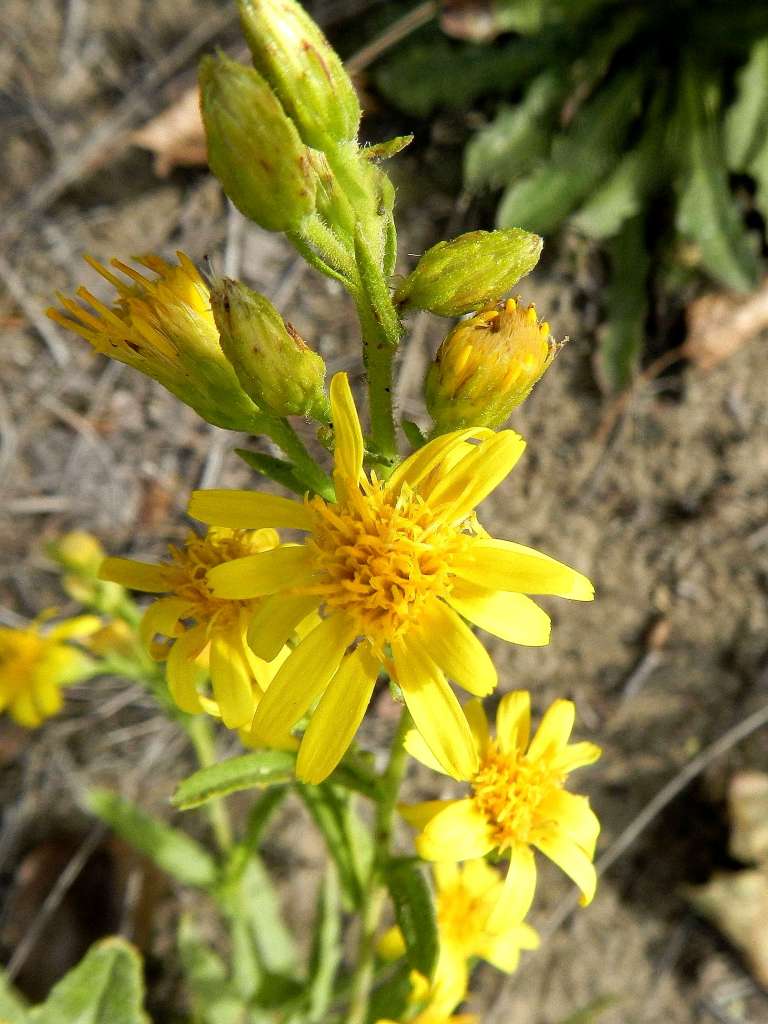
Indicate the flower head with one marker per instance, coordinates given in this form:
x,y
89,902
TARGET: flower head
x,y
199,626
395,567
35,664
517,802
163,327
487,365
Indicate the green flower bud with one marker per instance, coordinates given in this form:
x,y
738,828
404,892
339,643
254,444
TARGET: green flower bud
x,y
253,148
302,67
274,366
486,367
470,272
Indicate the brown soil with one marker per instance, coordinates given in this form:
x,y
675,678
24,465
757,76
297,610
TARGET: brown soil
x,y
667,517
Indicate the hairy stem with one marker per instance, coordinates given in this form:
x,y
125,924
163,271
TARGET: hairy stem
x,y
305,467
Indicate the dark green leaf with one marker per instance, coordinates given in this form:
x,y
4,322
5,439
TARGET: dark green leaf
x,y
746,122
390,998
261,768
414,913
707,213
414,433
275,469
172,850
626,308
326,949
106,987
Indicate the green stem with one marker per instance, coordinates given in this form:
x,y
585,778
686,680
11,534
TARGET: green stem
x,y
199,729
283,434
391,780
378,358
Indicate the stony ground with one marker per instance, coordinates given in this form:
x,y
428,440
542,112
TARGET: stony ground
x,y
666,512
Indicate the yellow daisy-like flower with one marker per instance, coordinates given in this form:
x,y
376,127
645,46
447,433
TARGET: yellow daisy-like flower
x,y
395,567
466,901
201,627
518,801
35,665
164,328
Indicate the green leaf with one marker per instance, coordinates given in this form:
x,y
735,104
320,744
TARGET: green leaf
x,y
213,996
257,902
172,850
515,140
413,432
746,122
275,469
326,949
414,913
106,987
707,213
389,999
13,1008
759,171
581,158
627,307
348,842
386,150
261,768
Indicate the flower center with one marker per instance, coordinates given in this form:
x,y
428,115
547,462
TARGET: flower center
x,y
199,554
384,558
508,790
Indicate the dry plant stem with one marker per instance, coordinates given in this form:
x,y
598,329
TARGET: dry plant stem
x,y
201,734
362,979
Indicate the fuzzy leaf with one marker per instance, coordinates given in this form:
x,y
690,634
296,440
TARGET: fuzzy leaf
x,y
261,768
414,913
173,851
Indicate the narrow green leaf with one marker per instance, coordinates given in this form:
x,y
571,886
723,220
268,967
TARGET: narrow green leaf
x,y
274,469
13,1008
349,844
326,949
255,900
106,987
390,998
707,213
414,913
172,850
386,150
759,171
261,768
746,121
416,436
247,972
213,996
627,307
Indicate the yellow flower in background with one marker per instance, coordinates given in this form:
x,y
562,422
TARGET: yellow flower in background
x,y
164,328
201,628
518,801
395,567
434,1003
36,664
466,899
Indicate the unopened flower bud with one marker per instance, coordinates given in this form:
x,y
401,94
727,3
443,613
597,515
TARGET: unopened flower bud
x,y
79,552
253,147
274,366
470,272
487,365
302,67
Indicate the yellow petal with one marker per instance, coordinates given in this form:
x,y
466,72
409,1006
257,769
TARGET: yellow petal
x,y
337,717
478,723
471,480
152,579
182,671
513,617
349,448
264,573
575,755
456,650
436,712
519,889
80,626
449,983
163,617
275,620
231,680
419,469
302,678
419,815
571,814
416,746
573,861
513,721
248,510
504,950
457,832
503,565
47,697
24,711
554,730
447,873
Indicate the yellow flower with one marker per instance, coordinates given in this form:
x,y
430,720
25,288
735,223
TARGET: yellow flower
x,y
433,1003
518,801
200,627
395,567
466,899
35,665
165,329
